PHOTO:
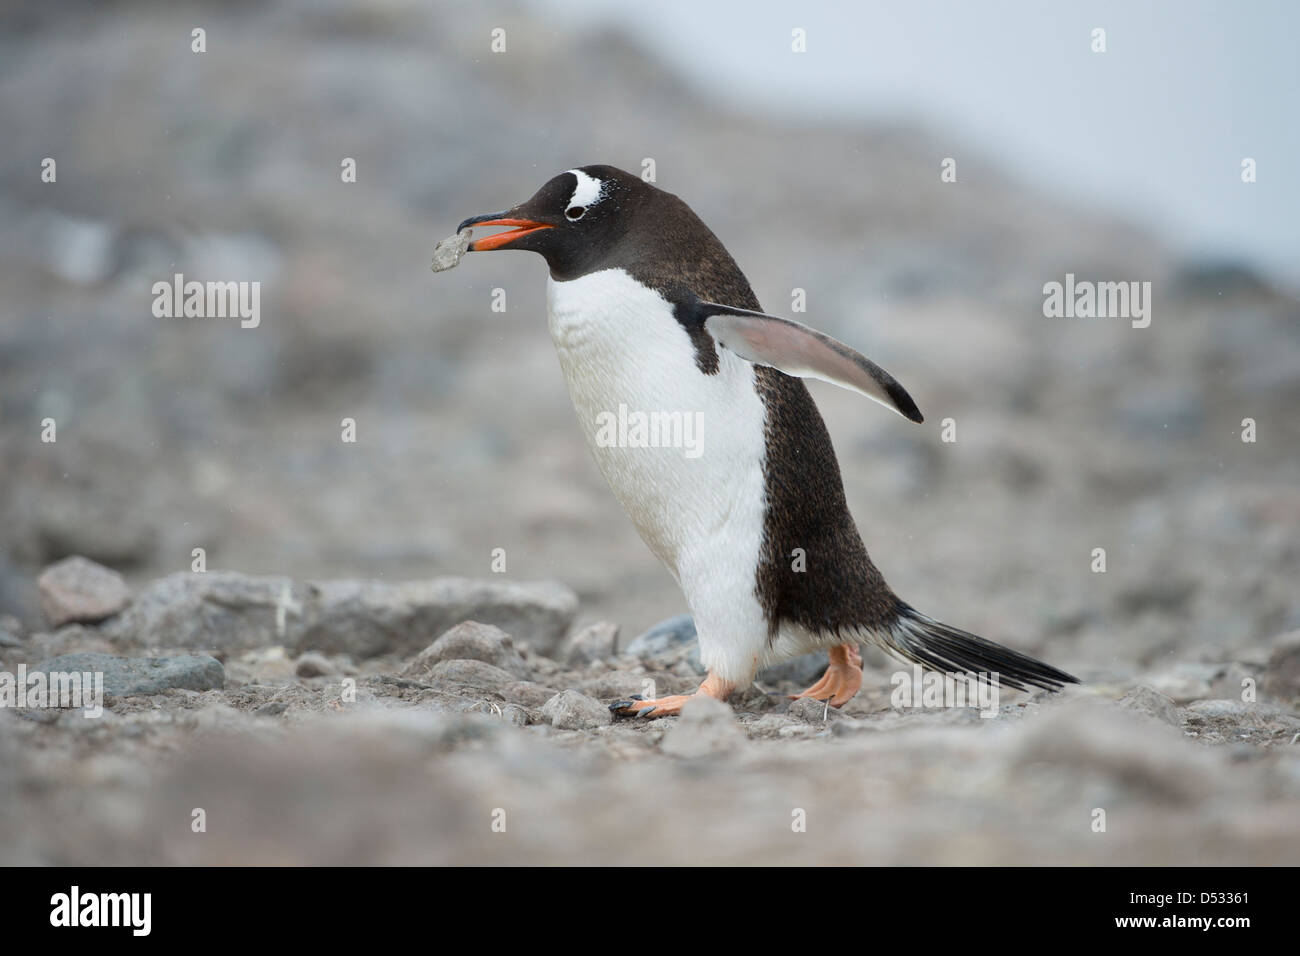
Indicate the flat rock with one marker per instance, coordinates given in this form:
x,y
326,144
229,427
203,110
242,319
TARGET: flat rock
x,y
367,618
469,641
141,676
573,710
226,611
77,590
1236,718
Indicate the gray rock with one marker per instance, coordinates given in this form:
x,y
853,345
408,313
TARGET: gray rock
x,y
73,639
469,641
1282,677
224,611
10,626
140,676
706,728
217,610
813,711
448,252
367,618
1152,703
1236,719
312,664
596,642
668,635
670,641
573,710
478,674
803,670
526,693
76,590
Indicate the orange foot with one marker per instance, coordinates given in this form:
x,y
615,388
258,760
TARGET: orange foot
x,y
638,706
842,679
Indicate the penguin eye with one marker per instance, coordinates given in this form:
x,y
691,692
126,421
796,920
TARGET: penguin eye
x,y
574,213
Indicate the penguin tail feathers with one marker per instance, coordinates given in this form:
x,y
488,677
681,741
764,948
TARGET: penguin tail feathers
x,y
922,640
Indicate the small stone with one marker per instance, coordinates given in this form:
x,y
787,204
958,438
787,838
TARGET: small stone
x,y
369,618
596,642
141,676
514,714
1152,703
312,664
78,590
448,253
573,710
812,711
469,641
706,728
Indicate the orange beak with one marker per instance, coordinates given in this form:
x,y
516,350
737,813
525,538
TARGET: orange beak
x,y
502,239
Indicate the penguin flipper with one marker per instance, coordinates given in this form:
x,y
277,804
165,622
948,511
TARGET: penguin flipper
x,y
795,349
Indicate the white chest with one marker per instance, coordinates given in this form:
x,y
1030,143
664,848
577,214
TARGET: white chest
x,y
683,451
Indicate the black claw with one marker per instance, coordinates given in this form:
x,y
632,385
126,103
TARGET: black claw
x,y
638,697
620,705
645,710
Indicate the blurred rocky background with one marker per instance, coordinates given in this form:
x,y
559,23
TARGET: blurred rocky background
x,y
176,434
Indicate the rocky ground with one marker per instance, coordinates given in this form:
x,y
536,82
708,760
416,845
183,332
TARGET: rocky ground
x,y
311,723
331,562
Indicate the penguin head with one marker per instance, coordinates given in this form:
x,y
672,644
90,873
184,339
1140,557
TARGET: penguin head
x,y
573,222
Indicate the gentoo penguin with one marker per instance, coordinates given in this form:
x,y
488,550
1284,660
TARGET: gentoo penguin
x,y
649,312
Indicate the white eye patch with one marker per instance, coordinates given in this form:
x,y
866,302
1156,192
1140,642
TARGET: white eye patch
x,y
587,192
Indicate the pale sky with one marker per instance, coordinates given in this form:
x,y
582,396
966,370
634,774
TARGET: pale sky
x,y
1154,129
